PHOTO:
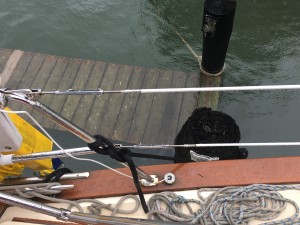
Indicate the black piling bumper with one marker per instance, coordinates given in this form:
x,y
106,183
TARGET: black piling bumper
x,y
217,26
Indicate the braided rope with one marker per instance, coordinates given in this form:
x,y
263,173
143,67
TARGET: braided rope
x,y
229,205
44,191
97,206
41,188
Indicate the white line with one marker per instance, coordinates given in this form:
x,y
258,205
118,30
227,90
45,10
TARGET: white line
x,y
237,88
262,144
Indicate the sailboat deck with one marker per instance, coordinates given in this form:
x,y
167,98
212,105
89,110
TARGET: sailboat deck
x,y
134,118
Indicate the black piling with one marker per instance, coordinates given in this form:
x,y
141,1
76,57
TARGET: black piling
x,y
217,26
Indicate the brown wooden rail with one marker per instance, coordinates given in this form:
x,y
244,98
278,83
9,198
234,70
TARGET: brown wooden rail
x,y
104,183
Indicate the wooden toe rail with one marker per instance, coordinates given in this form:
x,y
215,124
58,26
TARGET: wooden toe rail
x,y
105,183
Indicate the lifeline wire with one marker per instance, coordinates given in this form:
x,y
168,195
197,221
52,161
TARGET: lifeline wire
x,y
61,148
201,145
178,90
85,150
82,150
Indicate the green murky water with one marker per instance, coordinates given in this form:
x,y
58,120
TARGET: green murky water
x,y
264,49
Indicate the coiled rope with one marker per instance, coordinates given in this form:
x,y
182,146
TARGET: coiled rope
x,y
97,206
44,191
35,189
229,205
41,190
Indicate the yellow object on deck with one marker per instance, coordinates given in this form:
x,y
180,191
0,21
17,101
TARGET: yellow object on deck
x,y
11,170
33,141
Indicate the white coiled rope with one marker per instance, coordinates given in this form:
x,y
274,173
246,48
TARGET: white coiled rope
x,y
229,205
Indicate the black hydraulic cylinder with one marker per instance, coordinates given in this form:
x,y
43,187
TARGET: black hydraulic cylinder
x,y
217,26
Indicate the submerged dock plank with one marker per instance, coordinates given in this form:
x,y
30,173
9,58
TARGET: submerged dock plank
x,y
132,117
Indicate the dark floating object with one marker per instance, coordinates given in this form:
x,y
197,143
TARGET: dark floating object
x,y
208,126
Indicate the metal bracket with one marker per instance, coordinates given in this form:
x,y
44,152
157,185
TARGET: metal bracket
x,y
200,158
210,25
146,183
3,101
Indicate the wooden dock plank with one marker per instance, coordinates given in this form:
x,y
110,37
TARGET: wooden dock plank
x,y
168,126
79,83
86,102
30,74
142,110
128,106
155,118
17,75
43,75
112,109
41,79
32,70
52,84
135,118
4,56
63,76
9,67
19,71
93,123
189,101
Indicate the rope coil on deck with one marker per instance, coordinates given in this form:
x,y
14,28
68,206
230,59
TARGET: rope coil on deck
x,y
97,206
229,205
44,191
36,189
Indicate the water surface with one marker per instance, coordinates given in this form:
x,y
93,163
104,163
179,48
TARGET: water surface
x,y
264,49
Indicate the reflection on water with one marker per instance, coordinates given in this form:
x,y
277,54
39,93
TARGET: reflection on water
x,y
264,49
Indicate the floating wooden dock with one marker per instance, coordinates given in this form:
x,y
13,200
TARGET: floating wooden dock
x,y
133,118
